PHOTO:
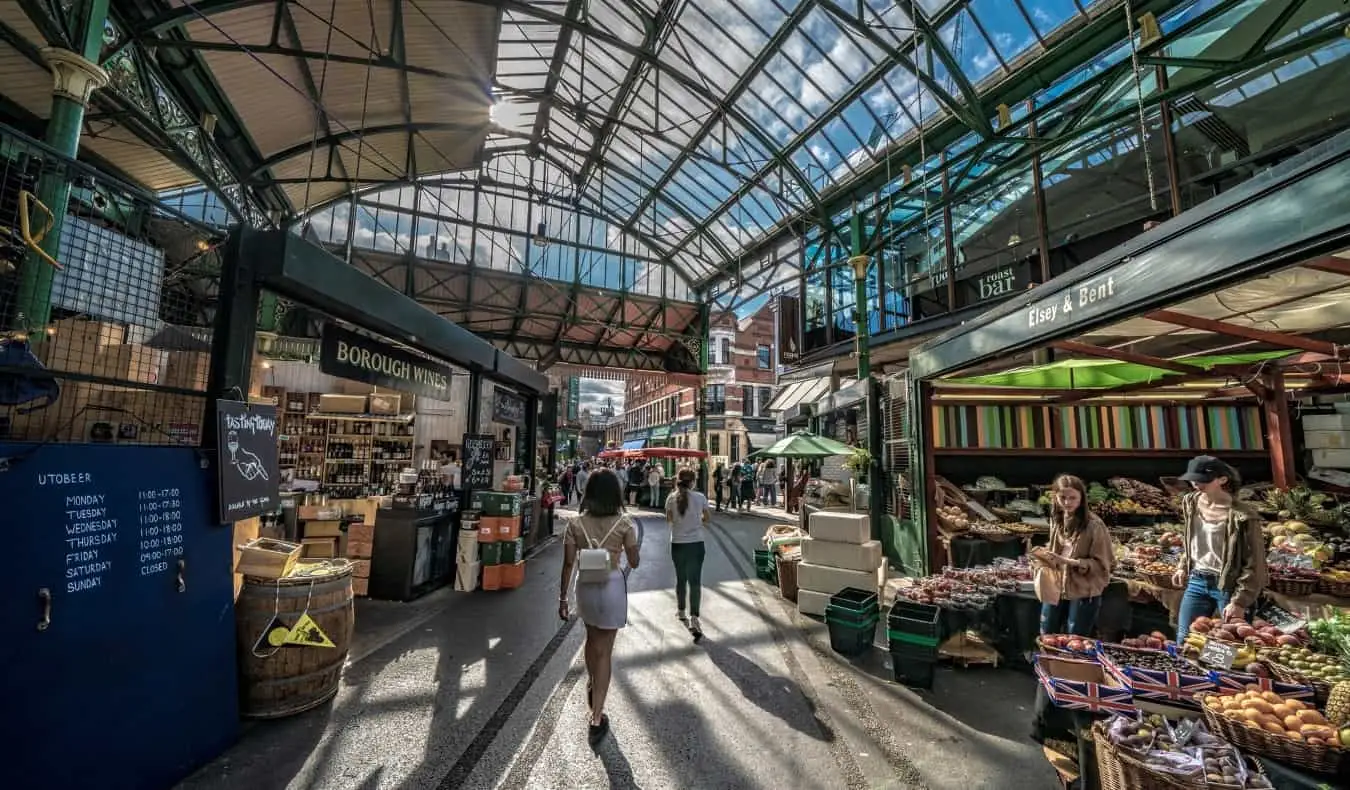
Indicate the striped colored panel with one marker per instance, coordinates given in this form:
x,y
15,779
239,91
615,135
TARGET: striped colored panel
x,y
1099,427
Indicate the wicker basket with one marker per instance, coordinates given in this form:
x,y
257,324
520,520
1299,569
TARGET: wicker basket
x,y
1321,688
1163,580
1117,769
1317,759
1294,588
1333,588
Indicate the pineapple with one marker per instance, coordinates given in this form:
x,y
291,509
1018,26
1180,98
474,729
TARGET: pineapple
x,y
1338,704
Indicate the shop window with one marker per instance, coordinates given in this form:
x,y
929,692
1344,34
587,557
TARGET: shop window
x,y
714,444
735,448
762,357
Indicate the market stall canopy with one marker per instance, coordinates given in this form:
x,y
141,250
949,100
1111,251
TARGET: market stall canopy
x,y
1087,374
653,452
805,445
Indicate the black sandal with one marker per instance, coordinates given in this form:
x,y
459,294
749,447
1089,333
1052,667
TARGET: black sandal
x,y
598,732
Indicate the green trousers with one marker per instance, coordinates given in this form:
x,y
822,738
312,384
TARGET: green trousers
x,y
688,559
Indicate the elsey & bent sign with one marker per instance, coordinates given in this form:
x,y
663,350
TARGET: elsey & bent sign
x,y
348,355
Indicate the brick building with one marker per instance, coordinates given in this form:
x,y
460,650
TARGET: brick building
x,y
740,385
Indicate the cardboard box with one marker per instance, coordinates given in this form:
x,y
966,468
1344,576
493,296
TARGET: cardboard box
x,y
490,553
512,551
74,345
849,556
359,549
384,403
513,575
319,548
360,587
466,576
492,577
323,529
361,569
130,363
342,404
361,533
855,528
508,527
488,529
186,369
1082,685
829,580
496,503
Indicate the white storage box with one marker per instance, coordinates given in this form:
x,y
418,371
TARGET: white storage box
x,y
1326,422
812,602
822,578
1336,459
466,576
855,528
1326,440
848,556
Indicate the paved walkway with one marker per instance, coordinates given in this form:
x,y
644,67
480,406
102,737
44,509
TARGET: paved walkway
x,y
487,690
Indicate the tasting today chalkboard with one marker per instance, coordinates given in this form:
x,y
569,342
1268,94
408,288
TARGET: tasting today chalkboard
x,y
248,466
476,474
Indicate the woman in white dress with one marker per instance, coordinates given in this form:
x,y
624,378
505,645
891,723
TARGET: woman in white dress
x,y
602,594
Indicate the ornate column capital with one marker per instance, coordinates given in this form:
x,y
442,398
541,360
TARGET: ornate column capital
x,y
74,77
860,264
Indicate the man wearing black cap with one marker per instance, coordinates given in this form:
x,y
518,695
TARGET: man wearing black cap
x,y
1223,558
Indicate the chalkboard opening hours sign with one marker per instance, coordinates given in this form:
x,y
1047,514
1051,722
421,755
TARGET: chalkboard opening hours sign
x,y
478,455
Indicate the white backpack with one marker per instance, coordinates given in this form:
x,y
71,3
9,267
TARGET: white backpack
x,y
595,563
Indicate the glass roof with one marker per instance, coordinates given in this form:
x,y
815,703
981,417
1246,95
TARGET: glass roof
x,y
694,150
702,130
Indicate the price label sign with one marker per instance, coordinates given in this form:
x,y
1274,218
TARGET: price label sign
x,y
1218,654
477,468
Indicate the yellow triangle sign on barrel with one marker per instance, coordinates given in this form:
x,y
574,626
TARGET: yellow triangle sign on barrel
x,y
307,633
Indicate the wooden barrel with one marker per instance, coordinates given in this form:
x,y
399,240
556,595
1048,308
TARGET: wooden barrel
x,y
279,678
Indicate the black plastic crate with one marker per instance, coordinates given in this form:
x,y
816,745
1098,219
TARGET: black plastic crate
x,y
912,618
912,647
849,639
855,599
914,672
837,614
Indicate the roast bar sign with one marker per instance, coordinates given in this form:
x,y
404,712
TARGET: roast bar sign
x,y
348,355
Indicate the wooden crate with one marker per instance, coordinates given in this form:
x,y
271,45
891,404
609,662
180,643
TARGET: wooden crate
x,y
268,558
320,548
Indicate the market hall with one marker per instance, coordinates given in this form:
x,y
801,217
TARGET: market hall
x,y
995,346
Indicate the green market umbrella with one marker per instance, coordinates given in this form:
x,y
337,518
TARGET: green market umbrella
x,y
805,445
1091,374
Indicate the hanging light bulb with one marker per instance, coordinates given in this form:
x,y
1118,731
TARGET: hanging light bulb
x,y
541,235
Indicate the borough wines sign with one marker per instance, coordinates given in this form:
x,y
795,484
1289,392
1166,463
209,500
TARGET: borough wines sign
x,y
347,355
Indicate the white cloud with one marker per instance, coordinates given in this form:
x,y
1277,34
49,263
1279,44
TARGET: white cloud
x,y
595,393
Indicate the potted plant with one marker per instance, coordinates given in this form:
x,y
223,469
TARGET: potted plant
x,y
858,462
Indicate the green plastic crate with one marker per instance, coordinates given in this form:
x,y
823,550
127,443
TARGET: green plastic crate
x,y
918,640
842,615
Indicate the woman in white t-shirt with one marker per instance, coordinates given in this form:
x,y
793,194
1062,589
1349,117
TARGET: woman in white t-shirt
x,y
687,514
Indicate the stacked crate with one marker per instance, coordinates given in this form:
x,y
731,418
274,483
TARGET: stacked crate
x,y
1327,438
360,547
839,553
501,549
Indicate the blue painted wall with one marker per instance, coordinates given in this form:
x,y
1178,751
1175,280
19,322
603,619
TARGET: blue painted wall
x,y
133,684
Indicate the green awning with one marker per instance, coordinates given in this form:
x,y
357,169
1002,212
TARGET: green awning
x,y
1090,374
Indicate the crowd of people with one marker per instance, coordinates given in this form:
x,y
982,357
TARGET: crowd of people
x,y
735,487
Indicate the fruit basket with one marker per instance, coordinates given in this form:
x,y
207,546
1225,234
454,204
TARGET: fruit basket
x,y
1120,767
1240,719
1295,586
1067,646
1307,668
1334,583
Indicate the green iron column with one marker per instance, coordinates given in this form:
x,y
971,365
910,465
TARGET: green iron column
x,y
860,262
701,396
76,75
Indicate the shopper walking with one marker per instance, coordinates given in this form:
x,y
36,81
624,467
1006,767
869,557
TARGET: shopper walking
x,y
1223,555
748,483
1079,552
687,514
654,485
595,544
768,483
583,479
